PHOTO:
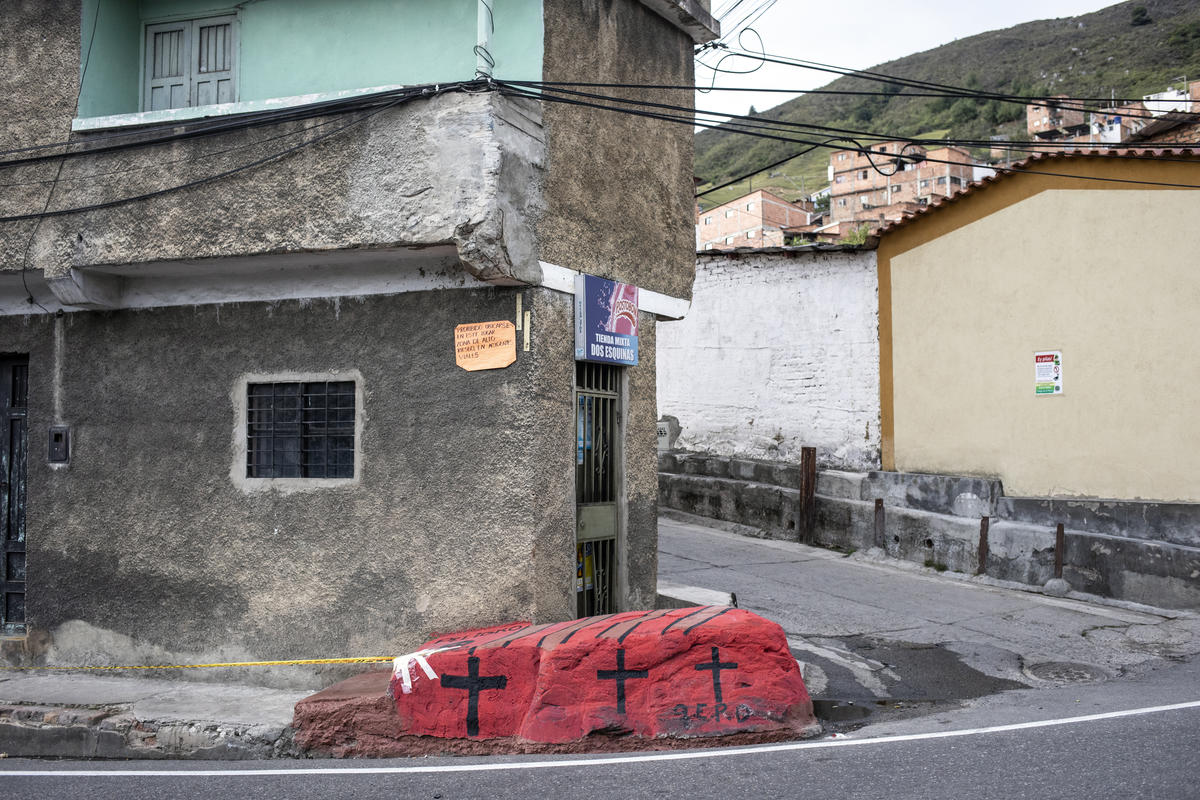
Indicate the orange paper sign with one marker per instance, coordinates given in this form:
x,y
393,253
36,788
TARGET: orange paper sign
x,y
485,345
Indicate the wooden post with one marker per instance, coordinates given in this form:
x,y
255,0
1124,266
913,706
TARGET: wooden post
x,y
1059,546
983,545
808,495
880,525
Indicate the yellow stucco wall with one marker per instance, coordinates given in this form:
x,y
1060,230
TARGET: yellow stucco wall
x,y
1110,278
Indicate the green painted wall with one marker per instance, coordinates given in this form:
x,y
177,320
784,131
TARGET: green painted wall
x,y
296,47
111,81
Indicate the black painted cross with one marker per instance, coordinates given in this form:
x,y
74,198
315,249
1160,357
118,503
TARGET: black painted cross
x,y
474,685
716,665
620,675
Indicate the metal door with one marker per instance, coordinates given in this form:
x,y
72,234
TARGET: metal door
x,y
598,477
14,393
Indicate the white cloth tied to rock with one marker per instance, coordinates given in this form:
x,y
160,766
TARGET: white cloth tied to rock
x,y
401,665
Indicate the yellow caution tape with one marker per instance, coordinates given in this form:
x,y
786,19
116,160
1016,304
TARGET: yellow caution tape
x,y
369,660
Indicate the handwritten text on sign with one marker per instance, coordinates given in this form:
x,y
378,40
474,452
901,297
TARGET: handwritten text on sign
x,y
485,345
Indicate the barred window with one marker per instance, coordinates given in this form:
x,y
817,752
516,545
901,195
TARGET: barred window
x,y
300,430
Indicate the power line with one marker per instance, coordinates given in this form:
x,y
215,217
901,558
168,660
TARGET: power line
x,y
879,77
758,122
967,93
139,139
517,91
158,165
242,168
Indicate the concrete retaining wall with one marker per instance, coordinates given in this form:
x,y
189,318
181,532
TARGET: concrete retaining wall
x,y
1130,550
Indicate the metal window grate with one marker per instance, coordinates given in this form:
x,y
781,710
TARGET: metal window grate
x,y
591,377
596,430
300,430
20,385
14,399
595,576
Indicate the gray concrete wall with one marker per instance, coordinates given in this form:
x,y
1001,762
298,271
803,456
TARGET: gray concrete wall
x,y
618,187
1129,550
143,549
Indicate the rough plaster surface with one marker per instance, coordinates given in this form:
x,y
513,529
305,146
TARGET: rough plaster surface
x,y
618,187
146,540
779,352
972,306
426,172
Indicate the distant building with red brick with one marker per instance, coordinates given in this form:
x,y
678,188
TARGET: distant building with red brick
x,y
1059,119
895,179
757,219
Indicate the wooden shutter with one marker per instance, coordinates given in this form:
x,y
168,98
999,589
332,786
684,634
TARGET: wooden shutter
x,y
213,61
190,63
167,82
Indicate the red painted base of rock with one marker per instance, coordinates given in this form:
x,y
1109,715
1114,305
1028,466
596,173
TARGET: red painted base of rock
x,y
680,673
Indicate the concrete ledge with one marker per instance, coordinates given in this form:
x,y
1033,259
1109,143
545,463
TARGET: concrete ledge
x,y
1176,523
1128,550
671,595
47,732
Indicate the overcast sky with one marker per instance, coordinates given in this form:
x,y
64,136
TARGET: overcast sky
x,y
859,34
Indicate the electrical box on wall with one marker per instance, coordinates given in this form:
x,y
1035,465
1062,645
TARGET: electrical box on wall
x,y
60,444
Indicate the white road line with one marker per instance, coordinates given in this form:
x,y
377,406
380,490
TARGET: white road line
x,y
863,669
591,762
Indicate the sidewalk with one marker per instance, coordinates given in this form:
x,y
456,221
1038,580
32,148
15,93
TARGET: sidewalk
x,y
81,715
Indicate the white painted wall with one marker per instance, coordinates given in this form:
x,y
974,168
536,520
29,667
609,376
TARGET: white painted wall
x,y
780,350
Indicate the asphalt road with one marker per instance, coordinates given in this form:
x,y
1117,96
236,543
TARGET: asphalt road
x,y
1147,755
897,639
1118,717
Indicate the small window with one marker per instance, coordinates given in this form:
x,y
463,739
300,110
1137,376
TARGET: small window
x,y
190,63
751,234
708,220
862,175
842,202
728,240
839,178
300,430
708,246
749,206
729,213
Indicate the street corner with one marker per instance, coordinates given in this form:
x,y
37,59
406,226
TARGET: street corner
x,y
633,680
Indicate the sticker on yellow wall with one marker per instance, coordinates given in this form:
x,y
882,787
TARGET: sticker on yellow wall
x,y
1047,373
485,345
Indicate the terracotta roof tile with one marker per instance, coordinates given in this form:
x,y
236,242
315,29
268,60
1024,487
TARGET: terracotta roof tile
x,y
1018,166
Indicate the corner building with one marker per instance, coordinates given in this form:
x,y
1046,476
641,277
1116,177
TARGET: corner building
x,y
235,426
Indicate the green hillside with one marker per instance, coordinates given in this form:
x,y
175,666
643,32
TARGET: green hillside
x,y
1117,51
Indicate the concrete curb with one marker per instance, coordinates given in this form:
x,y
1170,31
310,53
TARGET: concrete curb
x,y
38,731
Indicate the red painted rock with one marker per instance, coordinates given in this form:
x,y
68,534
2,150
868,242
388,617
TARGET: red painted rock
x,y
688,672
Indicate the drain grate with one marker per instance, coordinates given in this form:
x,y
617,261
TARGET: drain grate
x,y
1065,672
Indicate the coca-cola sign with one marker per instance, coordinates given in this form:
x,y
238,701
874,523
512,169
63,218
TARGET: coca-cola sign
x,y
606,321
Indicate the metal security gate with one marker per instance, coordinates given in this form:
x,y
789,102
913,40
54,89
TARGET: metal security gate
x,y
597,486
14,393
